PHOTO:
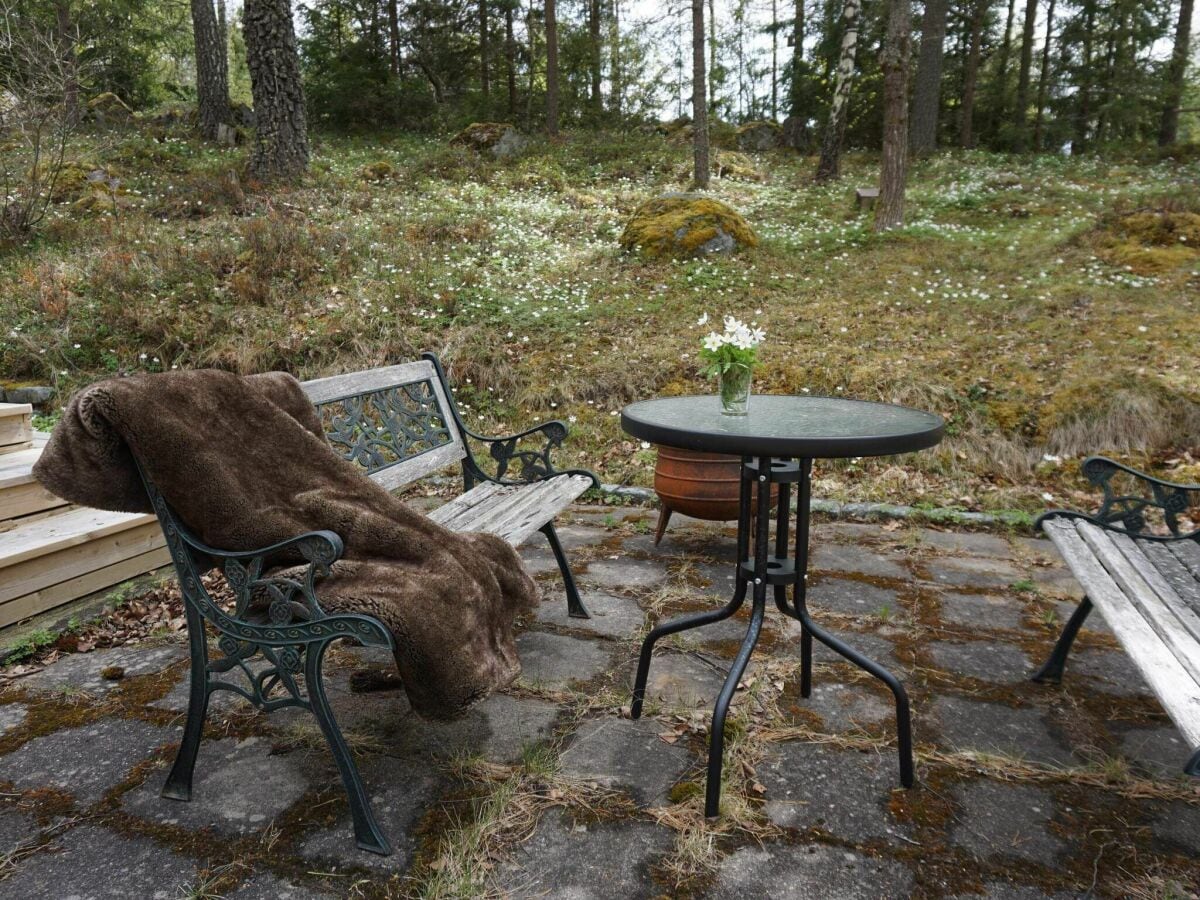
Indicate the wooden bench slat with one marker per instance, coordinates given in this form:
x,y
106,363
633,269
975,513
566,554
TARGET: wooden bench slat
x,y
1157,614
513,512
1188,553
1170,681
1176,574
447,514
351,384
1168,595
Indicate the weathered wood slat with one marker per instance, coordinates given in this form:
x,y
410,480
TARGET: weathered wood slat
x,y
416,467
1167,677
1175,573
448,513
1157,614
337,387
16,427
1168,595
1188,553
513,512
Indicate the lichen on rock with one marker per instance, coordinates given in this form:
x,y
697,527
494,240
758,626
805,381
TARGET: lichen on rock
x,y
500,139
685,225
760,135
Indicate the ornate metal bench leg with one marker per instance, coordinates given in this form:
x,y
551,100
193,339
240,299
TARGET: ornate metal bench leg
x,y
367,832
1052,670
179,782
575,607
1193,765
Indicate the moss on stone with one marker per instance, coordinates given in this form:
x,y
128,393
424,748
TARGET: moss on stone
x,y
481,136
1150,241
381,170
685,225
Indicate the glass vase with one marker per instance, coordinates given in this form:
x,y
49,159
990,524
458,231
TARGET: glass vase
x,y
734,387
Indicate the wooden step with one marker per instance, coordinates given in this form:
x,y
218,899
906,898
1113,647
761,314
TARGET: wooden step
x,y
20,493
54,558
16,427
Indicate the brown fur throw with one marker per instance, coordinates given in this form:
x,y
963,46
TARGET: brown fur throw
x,y
244,463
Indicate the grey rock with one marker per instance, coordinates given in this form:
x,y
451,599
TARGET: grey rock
x,y
585,861
625,574
843,792
1020,733
86,761
1007,820
721,242
852,598
796,134
612,616
12,717
809,871
80,672
511,143
555,661
400,792
35,394
854,559
239,788
758,136
982,611
626,754
986,660
973,572
93,863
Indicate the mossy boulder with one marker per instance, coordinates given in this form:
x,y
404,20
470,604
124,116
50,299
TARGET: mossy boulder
x,y
378,171
499,139
730,164
73,179
109,109
685,225
759,136
796,134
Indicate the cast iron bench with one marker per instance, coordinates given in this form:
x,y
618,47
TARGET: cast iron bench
x,y
399,423
1144,581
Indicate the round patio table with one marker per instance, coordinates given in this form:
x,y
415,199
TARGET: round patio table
x,y
778,440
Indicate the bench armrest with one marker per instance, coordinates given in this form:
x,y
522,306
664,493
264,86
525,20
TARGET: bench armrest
x,y
1129,496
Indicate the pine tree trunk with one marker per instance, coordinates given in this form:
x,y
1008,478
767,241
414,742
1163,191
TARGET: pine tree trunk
x,y
281,126
1083,110
1168,132
1043,82
774,60
1000,108
223,31
712,56
212,85
797,104
614,58
510,59
596,50
393,37
485,80
67,36
893,168
966,113
1021,112
829,165
699,99
551,69
927,94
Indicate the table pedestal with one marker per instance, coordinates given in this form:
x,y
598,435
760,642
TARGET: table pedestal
x,y
778,571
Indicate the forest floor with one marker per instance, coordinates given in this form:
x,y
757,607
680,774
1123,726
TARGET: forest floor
x,y
1046,306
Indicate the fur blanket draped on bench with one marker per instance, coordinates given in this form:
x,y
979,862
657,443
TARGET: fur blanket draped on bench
x,y
244,463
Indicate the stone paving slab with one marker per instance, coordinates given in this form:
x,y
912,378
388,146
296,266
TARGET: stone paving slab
x,y
265,886
857,560
239,787
973,572
842,792
86,761
611,615
16,830
556,661
400,792
81,672
1006,820
986,660
850,598
809,870
844,708
1159,751
973,611
1108,671
625,574
1021,733
95,863
968,542
626,754
682,680
1179,824
578,861
12,717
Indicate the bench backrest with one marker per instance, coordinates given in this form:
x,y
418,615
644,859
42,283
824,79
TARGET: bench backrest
x,y
394,421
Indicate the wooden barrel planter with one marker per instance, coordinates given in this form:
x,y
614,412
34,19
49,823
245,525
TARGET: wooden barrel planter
x,y
697,484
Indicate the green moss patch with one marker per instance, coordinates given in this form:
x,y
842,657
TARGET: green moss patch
x,y
685,225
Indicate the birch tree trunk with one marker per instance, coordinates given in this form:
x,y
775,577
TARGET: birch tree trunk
x,y
1021,112
927,93
393,37
829,165
699,99
893,62
551,69
212,84
1168,132
281,125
